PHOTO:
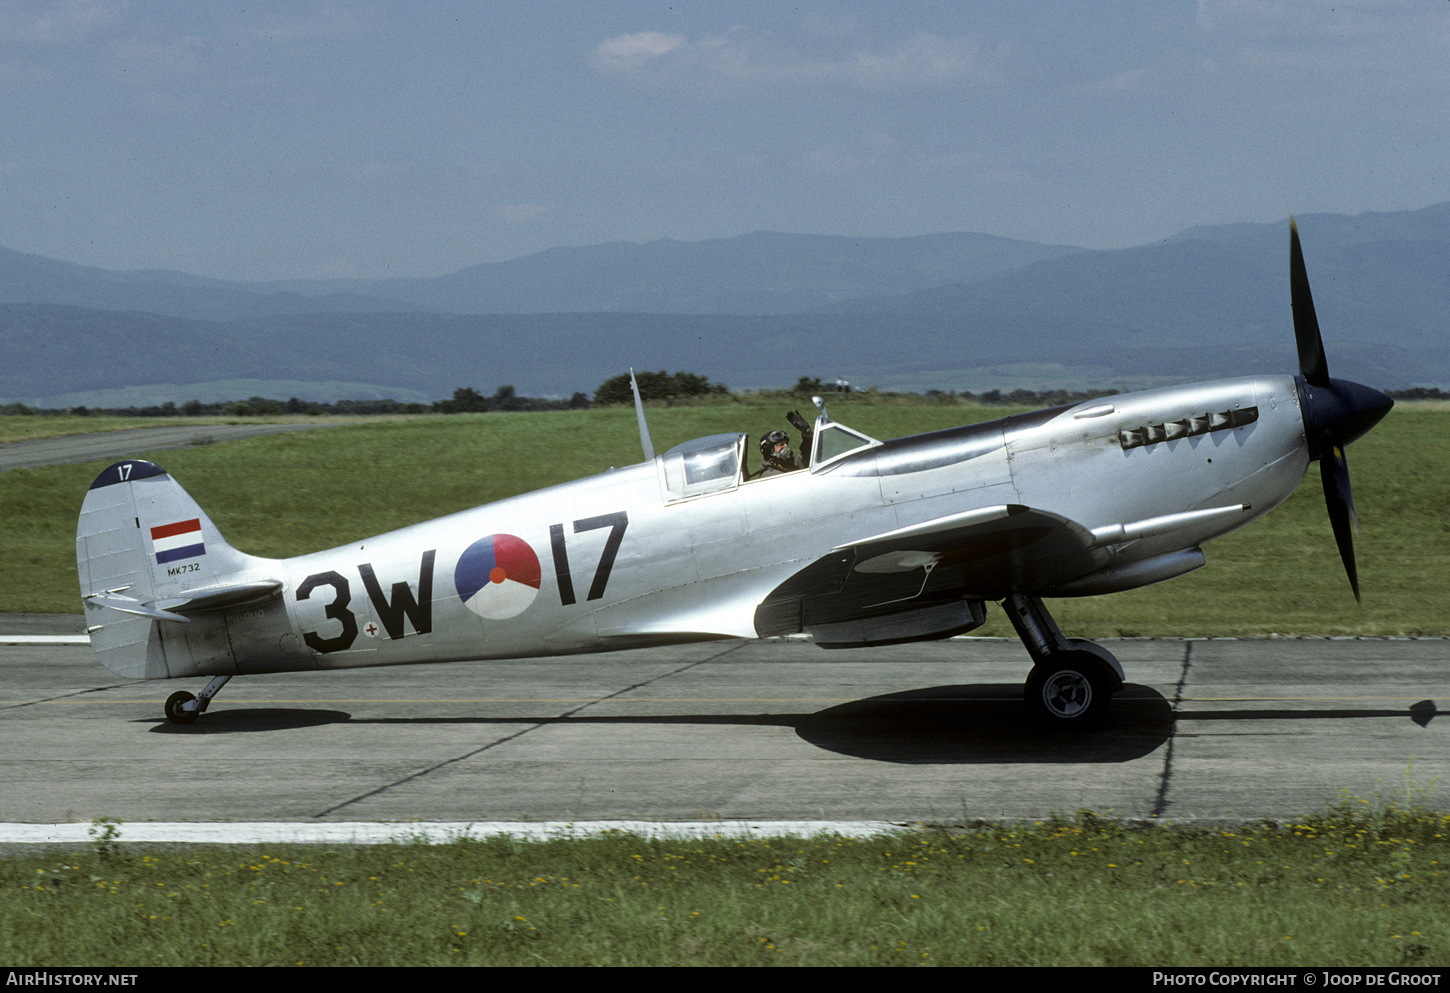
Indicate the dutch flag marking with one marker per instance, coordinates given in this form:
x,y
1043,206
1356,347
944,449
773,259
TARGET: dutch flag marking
x,y
181,540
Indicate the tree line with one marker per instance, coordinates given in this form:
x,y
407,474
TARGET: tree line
x,y
654,386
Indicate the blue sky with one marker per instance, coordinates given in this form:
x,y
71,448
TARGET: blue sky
x,y
318,138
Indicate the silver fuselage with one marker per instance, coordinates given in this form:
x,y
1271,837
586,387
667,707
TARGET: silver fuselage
x,y
624,561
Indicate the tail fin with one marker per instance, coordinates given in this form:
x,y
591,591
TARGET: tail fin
x,y
147,553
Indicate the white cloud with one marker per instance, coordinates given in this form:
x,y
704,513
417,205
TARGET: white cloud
x,y
756,60
56,21
629,52
326,19
919,61
1357,35
1263,60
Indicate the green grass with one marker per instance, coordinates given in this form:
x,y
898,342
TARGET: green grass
x,y
288,494
1361,886
30,427
27,428
23,428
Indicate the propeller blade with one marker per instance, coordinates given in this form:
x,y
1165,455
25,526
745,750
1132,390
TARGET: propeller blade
x,y
1335,411
1312,364
1339,501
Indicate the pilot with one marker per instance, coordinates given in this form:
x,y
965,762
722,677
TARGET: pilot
x,y
775,450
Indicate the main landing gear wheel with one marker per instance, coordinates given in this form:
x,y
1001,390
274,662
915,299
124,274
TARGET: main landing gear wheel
x,y
1069,690
174,712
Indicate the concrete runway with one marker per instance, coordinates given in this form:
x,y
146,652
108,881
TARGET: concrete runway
x,y
777,730
114,445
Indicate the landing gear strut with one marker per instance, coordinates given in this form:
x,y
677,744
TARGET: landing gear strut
x,y
1071,680
183,708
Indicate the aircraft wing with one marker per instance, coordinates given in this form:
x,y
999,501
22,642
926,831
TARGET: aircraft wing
x,y
932,567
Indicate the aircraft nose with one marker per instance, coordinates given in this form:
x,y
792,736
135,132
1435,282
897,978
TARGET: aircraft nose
x,y
1341,410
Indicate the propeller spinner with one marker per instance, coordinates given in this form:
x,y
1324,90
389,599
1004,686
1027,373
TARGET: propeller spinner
x,y
1336,411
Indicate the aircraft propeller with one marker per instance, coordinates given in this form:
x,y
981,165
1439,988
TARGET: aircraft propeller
x,y
1336,411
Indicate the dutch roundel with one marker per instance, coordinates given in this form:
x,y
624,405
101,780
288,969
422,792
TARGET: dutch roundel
x,y
498,576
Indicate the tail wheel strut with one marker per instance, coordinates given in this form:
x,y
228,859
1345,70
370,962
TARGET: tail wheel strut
x,y
184,708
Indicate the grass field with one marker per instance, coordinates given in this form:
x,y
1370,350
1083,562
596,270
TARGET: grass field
x,y
287,494
27,428
1359,887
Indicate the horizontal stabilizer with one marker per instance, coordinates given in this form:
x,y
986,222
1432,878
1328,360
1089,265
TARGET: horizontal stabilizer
x,y
220,596
177,605
129,605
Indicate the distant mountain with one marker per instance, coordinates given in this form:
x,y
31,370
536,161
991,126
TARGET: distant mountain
x,y
958,311
1378,279
68,350
752,274
1336,230
38,280
762,273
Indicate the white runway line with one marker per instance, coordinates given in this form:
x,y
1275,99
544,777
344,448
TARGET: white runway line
x,y
427,832
45,639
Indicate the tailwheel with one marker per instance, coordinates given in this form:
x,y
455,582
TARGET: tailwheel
x,y
1069,690
183,708
176,713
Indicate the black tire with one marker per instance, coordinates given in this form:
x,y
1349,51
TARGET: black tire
x,y
175,714
1069,690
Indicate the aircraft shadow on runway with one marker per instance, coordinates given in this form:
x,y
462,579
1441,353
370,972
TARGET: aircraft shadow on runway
x,y
241,720
984,723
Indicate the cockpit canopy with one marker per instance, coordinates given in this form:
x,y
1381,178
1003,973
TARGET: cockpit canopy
x,y
715,464
705,465
835,440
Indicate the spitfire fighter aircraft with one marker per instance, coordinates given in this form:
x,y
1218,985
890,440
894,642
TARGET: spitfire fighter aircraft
x,y
870,543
